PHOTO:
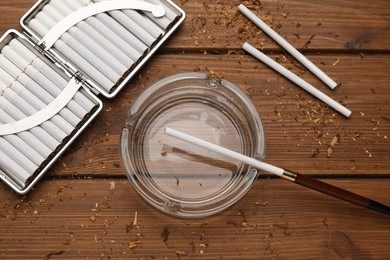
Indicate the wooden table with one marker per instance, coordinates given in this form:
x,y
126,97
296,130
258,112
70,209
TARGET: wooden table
x,y
85,208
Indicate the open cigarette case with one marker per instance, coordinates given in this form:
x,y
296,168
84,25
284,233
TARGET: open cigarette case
x,y
53,74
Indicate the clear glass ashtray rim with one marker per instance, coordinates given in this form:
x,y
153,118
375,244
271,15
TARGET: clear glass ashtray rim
x,y
201,207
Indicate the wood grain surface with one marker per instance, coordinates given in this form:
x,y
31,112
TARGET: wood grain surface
x,y
85,208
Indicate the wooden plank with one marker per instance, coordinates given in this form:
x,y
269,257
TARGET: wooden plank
x,y
312,25
320,25
77,219
291,117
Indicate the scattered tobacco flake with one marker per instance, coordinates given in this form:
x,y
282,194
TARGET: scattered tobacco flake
x,y
165,235
132,225
265,203
134,244
177,181
48,256
308,42
315,152
180,253
163,153
129,228
284,227
332,144
335,63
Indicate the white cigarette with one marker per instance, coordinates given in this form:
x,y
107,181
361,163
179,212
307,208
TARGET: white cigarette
x,y
28,109
122,32
225,152
90,58
297,80
116,52
84,52
287,46
36,137
163,22
25,106
18,156
153,29
63,125
61,7
119,36
133,27
80,102
112,30
13,170
21,90
39,78
94,74
24,148
17,114
96,49
36,89
83,39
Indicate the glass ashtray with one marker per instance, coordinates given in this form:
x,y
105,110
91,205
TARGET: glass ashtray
x,y
181,179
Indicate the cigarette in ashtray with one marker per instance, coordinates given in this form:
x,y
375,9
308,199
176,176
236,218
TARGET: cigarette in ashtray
x,y
297,178
287,46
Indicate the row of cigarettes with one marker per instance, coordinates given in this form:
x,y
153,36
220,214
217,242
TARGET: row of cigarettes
x,y
297,55
106,46
27,85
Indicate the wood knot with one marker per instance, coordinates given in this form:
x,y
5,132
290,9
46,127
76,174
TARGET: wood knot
x,y
342,244
358,43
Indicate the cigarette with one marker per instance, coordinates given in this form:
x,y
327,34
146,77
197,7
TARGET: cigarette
x,y
66,125
13,170
119,36
122,32
37,90
18,156
80,103
21,90
14,139
80,49
287,46
117,53
96,49
297,80
100,53
90,58
36,137
108,27
61,6
28,109
94,74
148,25
17,115
165,21
132,26
24,148
55,131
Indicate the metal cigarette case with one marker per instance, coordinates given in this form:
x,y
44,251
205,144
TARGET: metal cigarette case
x,y
53,75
